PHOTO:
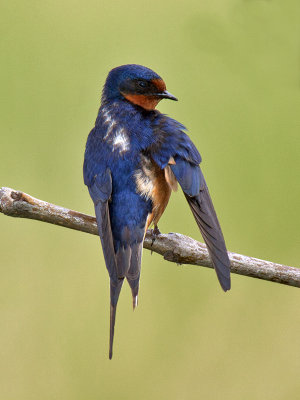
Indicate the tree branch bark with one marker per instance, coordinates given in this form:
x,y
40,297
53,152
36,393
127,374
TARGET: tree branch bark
x,y
173,246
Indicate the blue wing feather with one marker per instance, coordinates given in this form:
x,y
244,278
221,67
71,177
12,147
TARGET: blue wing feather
x,y
175,143
188,175
171,140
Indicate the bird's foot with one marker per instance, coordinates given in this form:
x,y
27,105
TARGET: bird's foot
x,y
154,233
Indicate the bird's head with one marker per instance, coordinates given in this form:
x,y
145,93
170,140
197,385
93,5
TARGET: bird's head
x,y
137,84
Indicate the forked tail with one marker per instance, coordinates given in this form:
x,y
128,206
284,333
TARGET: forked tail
x,y
114,297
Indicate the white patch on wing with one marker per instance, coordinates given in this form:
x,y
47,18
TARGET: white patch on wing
x,y
110,128
120,141
109,121
106,115
116,136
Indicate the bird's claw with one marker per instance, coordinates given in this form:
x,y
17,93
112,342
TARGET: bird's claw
x,y
154,233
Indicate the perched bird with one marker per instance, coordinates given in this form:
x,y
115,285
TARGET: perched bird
x,y
134,158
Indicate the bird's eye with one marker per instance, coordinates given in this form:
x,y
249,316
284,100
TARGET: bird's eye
x,y
142,84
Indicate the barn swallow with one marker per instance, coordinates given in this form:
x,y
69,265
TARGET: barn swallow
x,y
134,158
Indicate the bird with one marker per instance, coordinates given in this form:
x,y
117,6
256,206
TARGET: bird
x,y
135,156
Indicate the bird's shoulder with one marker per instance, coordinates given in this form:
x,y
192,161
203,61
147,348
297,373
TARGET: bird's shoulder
x,y
171,140
120,135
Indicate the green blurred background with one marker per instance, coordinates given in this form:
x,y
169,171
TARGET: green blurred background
x,y
234,66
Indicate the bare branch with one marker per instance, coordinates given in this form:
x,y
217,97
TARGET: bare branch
x,y
173,246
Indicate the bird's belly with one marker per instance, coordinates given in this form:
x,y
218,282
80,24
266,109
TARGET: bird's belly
x,y
152,184
160,197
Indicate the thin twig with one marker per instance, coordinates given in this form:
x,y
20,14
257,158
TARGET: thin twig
x,y
173,246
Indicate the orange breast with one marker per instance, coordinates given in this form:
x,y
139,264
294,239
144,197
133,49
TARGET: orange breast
x,y
160,196
156,184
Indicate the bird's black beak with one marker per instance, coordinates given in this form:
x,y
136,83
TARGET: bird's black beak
x,y
167,95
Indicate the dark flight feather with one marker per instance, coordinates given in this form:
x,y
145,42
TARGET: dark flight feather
x,y
134,271
189,175
207,221
193,184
